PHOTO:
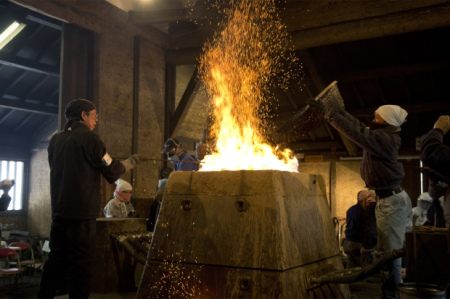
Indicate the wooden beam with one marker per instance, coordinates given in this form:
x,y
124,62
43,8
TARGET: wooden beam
x,y
185,103
136,93
411,109
349,145
174,13
302,15
158,16
393,71
35,18
314,145
187,56
383,25
27,107
319,23
28,65
169,101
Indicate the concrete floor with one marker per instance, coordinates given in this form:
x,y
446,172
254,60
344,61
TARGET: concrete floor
x,y
367,289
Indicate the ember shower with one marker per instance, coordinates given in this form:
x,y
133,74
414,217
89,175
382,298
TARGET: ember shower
x,y
247,56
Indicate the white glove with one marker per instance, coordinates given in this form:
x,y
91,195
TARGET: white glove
x,y
131,162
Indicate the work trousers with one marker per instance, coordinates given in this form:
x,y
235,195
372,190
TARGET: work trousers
x,y
72,242
393,215
353,252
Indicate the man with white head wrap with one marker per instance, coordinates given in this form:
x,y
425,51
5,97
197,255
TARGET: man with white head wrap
x,y
120,205
381,172
392,114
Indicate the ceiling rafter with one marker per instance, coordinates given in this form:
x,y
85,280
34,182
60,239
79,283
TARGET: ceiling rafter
x,y
33,108
28,65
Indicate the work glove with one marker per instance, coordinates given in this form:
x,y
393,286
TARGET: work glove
x,y
131,162
320,108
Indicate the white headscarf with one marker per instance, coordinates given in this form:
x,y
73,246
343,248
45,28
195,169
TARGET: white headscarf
x,y
392,114
123,185
425,197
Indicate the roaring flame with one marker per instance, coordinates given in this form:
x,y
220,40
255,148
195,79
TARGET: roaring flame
x,y
238,68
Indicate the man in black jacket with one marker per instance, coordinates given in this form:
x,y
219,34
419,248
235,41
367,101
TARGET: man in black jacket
x,y
77,158
436,155
5,199
361,230
381,172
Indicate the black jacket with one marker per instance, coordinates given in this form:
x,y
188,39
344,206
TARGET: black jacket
x,y
75,158
435,154
379,166
4,202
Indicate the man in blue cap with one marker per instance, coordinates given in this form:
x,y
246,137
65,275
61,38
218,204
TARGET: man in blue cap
x,y
180,158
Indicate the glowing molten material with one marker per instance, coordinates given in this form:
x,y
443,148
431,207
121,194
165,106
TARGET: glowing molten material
x,y
238,67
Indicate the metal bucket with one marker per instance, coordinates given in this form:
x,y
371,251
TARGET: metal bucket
x,y
413,290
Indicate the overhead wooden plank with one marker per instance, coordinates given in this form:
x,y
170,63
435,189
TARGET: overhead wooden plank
x,y
392,71
316,145
411,109
303,15
158,16
342,22
402,22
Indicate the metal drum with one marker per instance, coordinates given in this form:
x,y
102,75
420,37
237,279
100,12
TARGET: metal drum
x,y
413,290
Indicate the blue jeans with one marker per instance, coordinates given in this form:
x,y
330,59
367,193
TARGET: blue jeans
x,y
393,215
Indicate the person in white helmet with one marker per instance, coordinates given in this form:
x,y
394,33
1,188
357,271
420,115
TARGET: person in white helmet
x,y
424,202
120,206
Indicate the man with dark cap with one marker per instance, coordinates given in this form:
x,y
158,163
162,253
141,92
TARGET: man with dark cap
x,y
77,158
381,172
181,159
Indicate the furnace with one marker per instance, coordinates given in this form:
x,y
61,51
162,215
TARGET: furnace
x,y
242,234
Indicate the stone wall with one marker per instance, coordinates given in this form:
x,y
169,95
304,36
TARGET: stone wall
x,y
115,38
39,212
342,180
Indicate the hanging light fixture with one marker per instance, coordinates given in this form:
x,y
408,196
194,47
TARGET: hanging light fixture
x,y
10,32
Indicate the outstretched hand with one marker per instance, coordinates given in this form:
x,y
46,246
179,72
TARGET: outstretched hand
x,y
135,159
443,123
319,107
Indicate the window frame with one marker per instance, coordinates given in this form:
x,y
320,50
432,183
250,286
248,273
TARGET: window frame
x,y
25,180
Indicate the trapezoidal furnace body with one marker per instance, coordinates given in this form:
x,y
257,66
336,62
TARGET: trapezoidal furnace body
x,y
242,234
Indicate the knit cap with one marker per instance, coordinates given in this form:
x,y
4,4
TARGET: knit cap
x,y
75,107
